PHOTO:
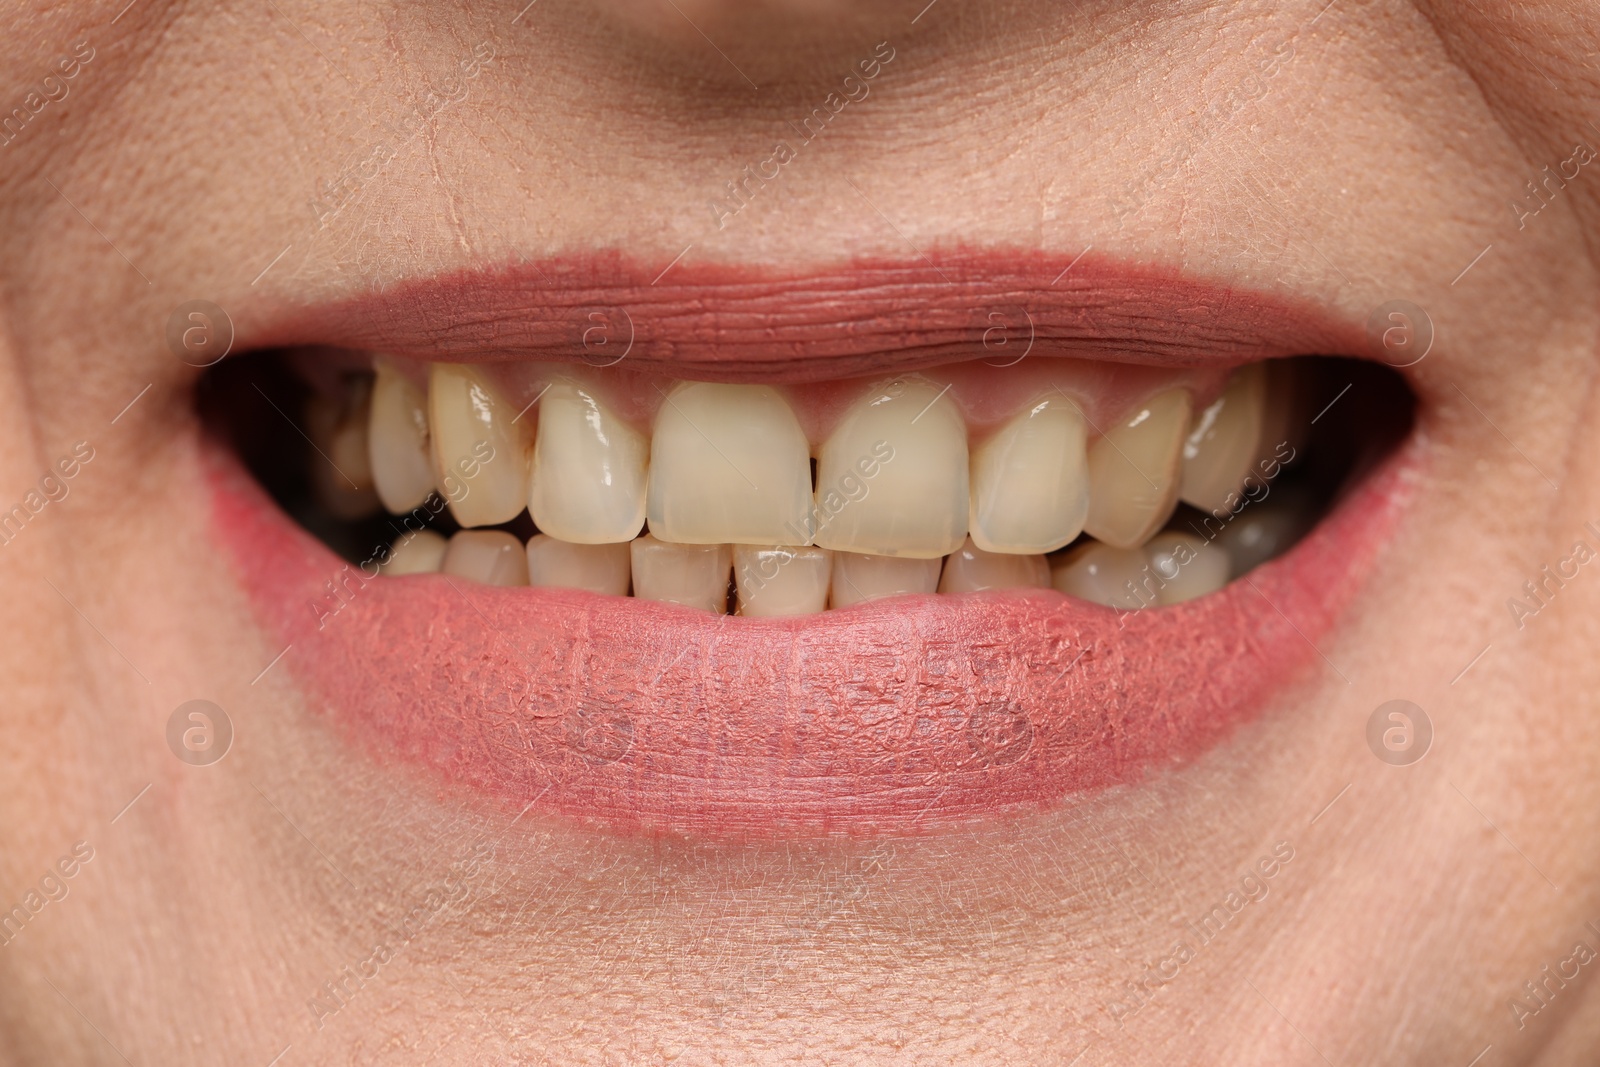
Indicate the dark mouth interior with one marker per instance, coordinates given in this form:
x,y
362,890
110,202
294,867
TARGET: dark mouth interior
x,y
1359,413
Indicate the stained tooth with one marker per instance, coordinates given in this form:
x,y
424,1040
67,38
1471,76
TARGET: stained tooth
x,y
969,569
341,477
479,453
729,463
892,478
1030,482
420,553
588,481
1101,573
397,440
781,580
1284,423
858,578
1221,448
1133,471
1185,566
492,557
695,576
562,564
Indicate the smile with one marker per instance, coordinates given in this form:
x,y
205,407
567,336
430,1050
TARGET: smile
x,y
812,554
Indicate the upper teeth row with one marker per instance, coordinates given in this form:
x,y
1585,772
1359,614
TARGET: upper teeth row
x,y
729,464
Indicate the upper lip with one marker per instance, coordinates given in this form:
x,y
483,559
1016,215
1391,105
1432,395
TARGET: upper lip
x,y
863,316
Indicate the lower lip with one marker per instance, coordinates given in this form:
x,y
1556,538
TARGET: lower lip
x,y
907,715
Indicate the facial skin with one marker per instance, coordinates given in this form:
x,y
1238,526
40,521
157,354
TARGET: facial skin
x,y
1377,160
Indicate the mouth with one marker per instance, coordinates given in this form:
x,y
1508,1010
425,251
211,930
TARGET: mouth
x,y
881,548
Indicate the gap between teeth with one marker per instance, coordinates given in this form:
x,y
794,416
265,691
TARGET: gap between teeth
x,y
717,506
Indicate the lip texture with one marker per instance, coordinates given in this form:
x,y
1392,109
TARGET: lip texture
x,y
892,717
864,316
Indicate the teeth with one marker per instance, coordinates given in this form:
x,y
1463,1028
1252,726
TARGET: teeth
x,y
1185,566
588,482
695,576
1101,573
492,557
1030,482
397,441
421,553
892,479
1133,471
1221,449
479,455
597,568
970,569
729,463
858,578
776,581
341,477
1263,530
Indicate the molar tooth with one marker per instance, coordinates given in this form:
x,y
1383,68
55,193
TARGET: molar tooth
x,y
420,553
781,580
565,565
970,569
1100,573
729,463
1185,566
588,481
479,453
695,576
1133,471
397,440
1221,449
892,478
1030,482
858,577
341,477
492,557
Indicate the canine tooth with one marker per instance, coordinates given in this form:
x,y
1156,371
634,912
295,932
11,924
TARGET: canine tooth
x,y
565,565
695,576
588,480
397,440
492,557
420,553
1185,567
341,477
1101,573
729,463
1221,449
1030,482
858,577
892,478
1133,471
479,454
970,569
781,580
